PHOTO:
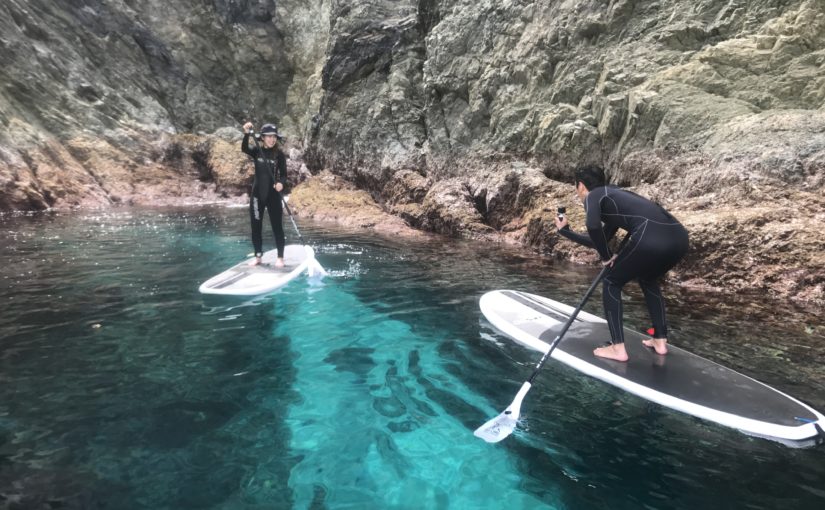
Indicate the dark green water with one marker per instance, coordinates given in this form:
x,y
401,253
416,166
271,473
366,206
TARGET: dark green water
x,y
122,387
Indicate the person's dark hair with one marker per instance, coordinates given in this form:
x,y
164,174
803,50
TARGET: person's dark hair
x,y
592,176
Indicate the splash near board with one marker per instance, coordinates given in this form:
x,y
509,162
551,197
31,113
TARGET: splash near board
x,y
245,280
680,380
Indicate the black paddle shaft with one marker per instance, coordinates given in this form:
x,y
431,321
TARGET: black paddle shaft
x,y
575,313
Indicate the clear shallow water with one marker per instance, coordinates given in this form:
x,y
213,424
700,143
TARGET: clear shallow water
x,y
122,387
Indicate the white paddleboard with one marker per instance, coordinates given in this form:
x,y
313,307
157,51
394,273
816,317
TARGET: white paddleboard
x,y
680,380
245,280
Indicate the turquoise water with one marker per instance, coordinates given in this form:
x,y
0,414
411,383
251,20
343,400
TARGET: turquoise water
x,y
122,387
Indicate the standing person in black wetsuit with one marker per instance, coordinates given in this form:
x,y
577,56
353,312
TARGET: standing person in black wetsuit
x,y
657,242
270,179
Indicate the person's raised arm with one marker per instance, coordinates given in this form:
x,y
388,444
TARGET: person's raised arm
x,y
563,228
575,236
247,131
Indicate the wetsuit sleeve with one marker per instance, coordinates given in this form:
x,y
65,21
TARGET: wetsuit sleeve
x,y
252,151
281,158
600,237
597,232
575,236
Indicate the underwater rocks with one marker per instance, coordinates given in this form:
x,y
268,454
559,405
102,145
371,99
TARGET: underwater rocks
x,y
31,486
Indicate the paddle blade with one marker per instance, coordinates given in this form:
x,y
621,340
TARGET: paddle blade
x,y
497,429
504,424
315,270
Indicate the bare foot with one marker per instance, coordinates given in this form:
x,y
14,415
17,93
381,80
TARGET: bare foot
x,y
615,352
255,261
279,263
657,344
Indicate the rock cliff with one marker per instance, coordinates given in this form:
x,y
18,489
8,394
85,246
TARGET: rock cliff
x,y
459,117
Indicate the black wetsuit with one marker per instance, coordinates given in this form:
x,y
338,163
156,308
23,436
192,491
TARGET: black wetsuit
x,y
657,242
270,164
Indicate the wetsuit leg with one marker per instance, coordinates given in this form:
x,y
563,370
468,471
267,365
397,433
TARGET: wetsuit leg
x,y
672,246
654,251
655,305
256,210
276,219
612,298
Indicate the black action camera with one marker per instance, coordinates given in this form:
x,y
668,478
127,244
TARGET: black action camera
x,y
561,211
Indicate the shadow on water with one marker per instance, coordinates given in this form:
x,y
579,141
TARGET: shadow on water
x,y
122,387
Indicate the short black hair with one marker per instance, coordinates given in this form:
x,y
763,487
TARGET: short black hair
x,y
592,176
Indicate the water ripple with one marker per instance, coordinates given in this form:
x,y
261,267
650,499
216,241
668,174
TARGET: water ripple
x,y
122,386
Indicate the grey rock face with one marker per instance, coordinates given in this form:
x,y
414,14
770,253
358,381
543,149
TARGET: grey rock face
x,y
561,83
462,117
438,87
126,78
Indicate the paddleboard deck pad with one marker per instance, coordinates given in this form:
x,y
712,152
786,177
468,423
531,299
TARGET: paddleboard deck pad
x,y
245,280
679,380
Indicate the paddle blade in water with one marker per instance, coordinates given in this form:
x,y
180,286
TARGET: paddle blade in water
x,y
497,429
315,270
504,424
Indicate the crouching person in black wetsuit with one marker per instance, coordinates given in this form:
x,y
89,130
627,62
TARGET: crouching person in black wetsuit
x,y
657,242
270,179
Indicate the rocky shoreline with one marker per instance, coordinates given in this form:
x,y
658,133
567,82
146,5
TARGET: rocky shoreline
x,y
755,249
446,117
759,239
